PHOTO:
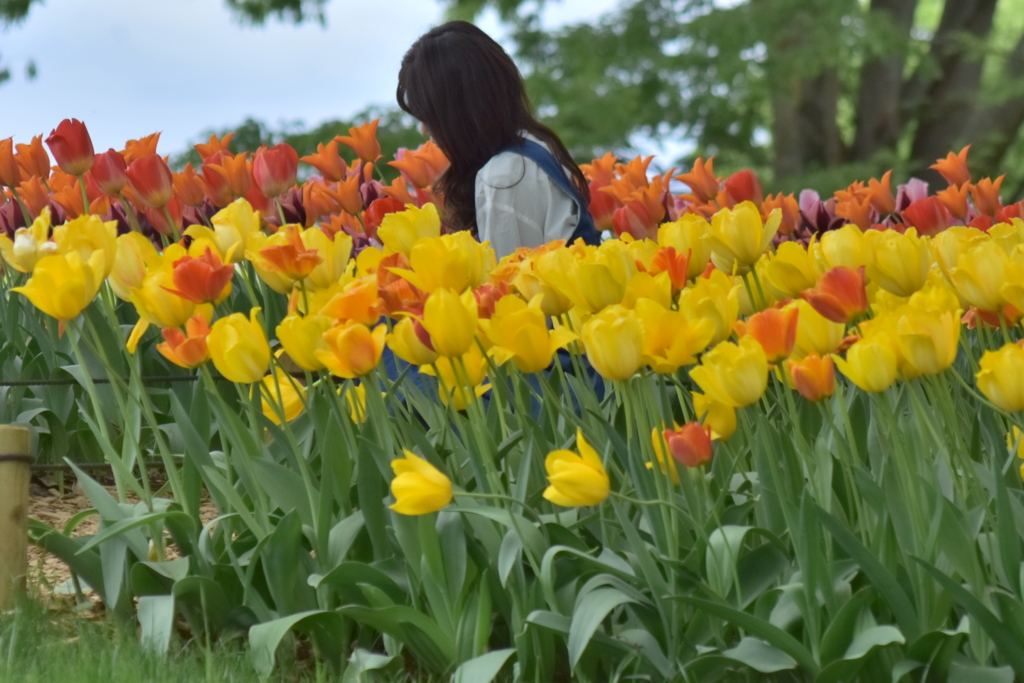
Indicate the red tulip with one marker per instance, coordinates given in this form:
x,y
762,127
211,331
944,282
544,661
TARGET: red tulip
x,y
378,209
71,146
841,294
929,215
202,280
744,187
690,445
274,169
108,170
151,180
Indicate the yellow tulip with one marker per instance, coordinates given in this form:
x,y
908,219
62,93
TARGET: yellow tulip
x,y
792,270
715,414
530,284
368,260
400,231
815,334
301,337
936,296
690,234
1008,235
715,298
63,285
280,393
980,273
134,257
641,251
29,245
576,480
239,348
460,380
950,242
88,234
519,333
352,349
870,363
153,302
928,341
418,487
454,262
739,238
902,261
848,246
670,340
646,286
356,396
1015,443
451,321
614,339
233,226
1012,290
334,254
408,346
1001,377
764,297
733,374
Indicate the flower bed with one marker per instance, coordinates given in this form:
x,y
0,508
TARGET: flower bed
x,y
633,459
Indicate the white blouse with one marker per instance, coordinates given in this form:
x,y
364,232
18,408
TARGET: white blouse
x,y
518,205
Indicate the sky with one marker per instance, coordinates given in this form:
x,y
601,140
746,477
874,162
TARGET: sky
x,y
128,68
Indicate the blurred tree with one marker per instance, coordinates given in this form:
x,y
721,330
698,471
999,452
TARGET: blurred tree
x,y
12,12
258,11
805,91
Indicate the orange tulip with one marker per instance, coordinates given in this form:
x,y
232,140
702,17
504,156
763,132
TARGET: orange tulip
x,y
743,186
327,160
71,146
292,259
701,180
138,149
841,294
274,169
35,196
774,329
954,167
986,195
690,445
399,189
813,376
202,280
151,180
186,351
347,194
10,171
668,260
376,211
188,187
70,198
363,140
108,170
33,159
234,170
213,146
788,206
421,166
352,349
359,301
955,199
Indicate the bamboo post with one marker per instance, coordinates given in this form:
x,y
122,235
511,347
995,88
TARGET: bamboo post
x,y
15,458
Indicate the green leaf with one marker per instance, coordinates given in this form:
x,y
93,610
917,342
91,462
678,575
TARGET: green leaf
x,y
346,577
759,627
588,617
284,565
432,646
484,668
342,536
760,656
156,620
326,627
285,488
363,661
723,552
1008,645
1009,540
839,633
968,672
86,565
204,602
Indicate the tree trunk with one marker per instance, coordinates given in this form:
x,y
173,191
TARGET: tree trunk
x,y
805,130
950,100
995,128
878,103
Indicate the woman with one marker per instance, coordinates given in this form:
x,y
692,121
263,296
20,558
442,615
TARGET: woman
x,y
511,179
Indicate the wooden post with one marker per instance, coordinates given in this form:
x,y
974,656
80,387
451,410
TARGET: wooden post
x,y
15,458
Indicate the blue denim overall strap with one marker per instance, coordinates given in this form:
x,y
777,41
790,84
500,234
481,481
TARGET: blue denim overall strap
x,y
549,164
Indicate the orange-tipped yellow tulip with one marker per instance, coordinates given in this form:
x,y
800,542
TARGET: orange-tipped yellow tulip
x,y
155,300
451,321
281,394
871,363
358,300
239,348
352,349
334,253
401,230
520,334
614,339
1001,377
841,294
813,376
715,414
418,487
576,480
63,285
739,238
301,337
733,374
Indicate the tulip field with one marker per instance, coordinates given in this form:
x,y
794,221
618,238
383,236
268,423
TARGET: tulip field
x,y
747,437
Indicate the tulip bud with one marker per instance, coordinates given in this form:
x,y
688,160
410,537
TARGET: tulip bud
x,y
418,487
108,170
274,169
71,146
239,348
689,445
814,377
151,180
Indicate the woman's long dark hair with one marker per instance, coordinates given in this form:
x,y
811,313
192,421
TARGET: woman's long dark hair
x,y
466,89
